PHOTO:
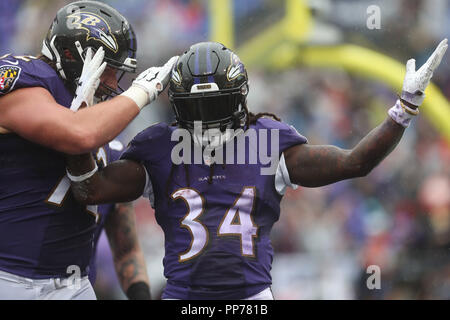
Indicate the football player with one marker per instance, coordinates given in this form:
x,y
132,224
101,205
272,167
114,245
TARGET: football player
x,y
119,222
46,237
217,214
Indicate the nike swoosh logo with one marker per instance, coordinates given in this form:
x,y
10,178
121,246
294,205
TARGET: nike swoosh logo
x,y
13,63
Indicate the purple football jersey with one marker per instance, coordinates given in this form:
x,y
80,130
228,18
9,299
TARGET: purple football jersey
x,y
217,236
43,230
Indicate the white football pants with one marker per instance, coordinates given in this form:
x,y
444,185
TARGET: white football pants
x,y
13,287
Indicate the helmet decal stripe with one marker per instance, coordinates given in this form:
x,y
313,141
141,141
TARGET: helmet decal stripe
x,y
196,67
208,58
209,84
208,62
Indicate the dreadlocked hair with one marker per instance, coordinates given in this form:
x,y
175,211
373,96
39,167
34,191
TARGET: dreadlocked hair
x,y
251,119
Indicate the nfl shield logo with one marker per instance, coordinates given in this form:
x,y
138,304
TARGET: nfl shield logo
x,y
8,77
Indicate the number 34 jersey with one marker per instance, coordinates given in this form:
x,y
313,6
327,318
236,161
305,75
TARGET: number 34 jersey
x,y
216,219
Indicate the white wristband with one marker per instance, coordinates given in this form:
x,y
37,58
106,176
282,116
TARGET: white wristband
x,y
402,114
138,95
83,177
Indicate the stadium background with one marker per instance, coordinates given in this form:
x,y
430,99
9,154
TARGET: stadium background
x,y
319,67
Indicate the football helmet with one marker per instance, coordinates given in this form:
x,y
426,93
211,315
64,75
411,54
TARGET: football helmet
x,y
209,83
85,24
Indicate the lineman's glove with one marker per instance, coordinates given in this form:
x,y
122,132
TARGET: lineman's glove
x,y
89,80
150,83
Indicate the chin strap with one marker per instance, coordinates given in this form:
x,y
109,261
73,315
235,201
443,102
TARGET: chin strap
x,y
237,121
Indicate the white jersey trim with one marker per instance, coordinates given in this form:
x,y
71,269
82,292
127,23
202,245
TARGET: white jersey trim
x,y
282,179
148,189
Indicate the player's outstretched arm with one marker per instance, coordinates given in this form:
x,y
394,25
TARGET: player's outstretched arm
x,y
34,114
129,261
318,165
120,181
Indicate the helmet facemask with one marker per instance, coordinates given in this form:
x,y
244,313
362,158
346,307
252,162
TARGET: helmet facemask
x,y
212,117
203,91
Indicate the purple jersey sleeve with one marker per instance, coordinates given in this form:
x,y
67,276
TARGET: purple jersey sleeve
x,y
26,72
288,135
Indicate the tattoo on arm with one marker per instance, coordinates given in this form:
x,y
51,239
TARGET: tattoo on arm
x,y
129,261
129,269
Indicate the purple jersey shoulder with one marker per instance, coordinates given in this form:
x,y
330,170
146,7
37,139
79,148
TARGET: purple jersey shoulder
x,y
150,144
154,142
28,72
288,135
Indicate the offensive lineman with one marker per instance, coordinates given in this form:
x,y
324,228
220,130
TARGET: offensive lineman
x,y
46,237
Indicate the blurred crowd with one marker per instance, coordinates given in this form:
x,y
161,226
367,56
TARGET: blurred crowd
x,y
397,218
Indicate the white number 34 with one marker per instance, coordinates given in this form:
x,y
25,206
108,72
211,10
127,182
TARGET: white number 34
x,y
237,221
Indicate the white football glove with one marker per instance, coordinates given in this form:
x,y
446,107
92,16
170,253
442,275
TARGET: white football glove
x,y
416,82
414,85
150,83
90,79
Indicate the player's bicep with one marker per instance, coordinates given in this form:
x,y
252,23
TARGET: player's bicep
x,y
122,181
34,114
317,165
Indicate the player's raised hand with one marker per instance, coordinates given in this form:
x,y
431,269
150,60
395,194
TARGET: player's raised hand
x,y
89,81
416,82
152,82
